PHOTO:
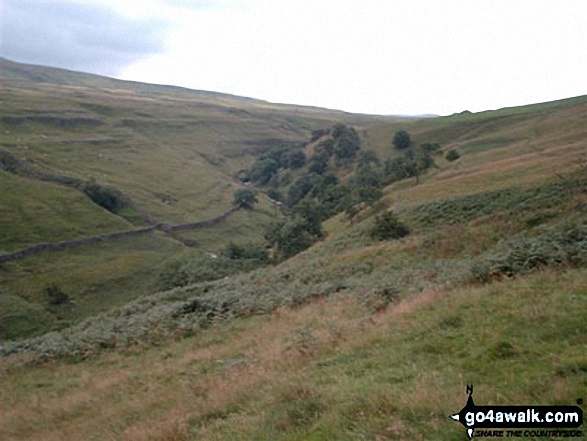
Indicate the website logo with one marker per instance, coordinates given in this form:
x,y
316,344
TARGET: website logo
x,y
515,421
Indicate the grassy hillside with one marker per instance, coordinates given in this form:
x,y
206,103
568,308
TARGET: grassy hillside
x,y
173,151
328,370
35,212
354,338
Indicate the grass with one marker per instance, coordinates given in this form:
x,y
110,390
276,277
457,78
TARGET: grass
x,y
491,242
96,277
243,226
34,212
351,339
328,370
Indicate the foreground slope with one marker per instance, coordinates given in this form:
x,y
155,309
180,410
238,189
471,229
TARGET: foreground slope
x,y
328,370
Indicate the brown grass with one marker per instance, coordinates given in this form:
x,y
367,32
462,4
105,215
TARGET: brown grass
x,y
151,395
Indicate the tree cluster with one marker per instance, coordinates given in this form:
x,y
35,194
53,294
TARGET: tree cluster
x,y
286,156
317,193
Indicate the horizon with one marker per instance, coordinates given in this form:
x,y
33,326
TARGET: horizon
x,y
407,116
391,58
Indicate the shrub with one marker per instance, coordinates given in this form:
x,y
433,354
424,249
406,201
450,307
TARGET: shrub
x,y
103,196
188,270
388,226
246,252
452,155
564,243
430,147
274,194
56,295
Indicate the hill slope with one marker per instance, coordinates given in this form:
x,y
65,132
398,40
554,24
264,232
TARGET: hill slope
x,y
354,338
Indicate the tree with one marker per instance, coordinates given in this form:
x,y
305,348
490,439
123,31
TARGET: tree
x,y
263,170
397,169
367,157
347,145
318,163
336,199
319,133
366,185
338,130
326,146
294,159
301,188
274,194
322,184
289,237
402,140
310,211
245,198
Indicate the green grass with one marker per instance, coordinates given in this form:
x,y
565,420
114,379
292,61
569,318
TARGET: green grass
x,y
34,212
485,245
241,227
96,277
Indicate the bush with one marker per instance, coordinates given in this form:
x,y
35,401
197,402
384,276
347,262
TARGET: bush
x,y
245,198
430,147
246,252
564,243
274,194
188,270
388,226
103,196
56,295
452,155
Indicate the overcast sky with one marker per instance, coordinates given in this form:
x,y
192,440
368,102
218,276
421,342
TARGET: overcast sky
x,y
369,56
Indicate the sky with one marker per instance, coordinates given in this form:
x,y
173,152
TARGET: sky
x,y
406,57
